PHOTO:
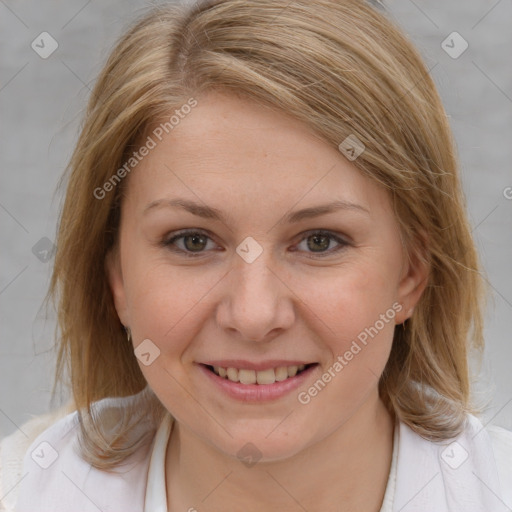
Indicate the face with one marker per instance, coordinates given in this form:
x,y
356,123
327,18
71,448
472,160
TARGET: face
x,y
298,309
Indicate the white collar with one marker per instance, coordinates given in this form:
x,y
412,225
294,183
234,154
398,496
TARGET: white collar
x,y
156,494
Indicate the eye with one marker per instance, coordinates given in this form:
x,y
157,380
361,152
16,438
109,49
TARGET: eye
x,y
318,242
194,242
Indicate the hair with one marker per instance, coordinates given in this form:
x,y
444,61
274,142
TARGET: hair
x,y
341,67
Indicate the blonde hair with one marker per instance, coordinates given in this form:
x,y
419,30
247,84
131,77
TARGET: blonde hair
x,y
341,67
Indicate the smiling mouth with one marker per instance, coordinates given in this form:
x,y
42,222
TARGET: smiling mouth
x,y
263,377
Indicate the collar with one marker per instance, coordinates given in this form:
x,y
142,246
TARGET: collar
x,y
156,494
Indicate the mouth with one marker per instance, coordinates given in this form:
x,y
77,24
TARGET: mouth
x,y
268,382
259,377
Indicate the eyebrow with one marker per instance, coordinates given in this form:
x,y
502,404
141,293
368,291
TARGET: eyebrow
x,y
208,212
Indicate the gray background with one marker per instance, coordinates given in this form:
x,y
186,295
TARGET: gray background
x,y
41,102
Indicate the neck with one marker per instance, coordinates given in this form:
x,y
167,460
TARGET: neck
x,y
348,470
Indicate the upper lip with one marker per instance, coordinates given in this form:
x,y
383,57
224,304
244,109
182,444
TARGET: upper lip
x,y
243,364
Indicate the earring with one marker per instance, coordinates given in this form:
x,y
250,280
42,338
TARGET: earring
x,y
128,333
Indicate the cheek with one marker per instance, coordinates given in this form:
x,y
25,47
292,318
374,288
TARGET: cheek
x,y
354,317
347,303
164,303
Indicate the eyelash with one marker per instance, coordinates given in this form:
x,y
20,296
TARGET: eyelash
x,y
168,242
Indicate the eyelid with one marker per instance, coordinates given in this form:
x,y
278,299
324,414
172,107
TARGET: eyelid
x,y
334,234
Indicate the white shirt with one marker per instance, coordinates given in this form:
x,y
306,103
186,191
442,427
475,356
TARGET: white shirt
x,y
156,495
470,474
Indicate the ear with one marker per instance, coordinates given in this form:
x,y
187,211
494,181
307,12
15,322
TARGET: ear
x,y
413,279
115,279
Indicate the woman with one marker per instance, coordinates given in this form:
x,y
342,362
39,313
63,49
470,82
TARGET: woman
x,y
268,290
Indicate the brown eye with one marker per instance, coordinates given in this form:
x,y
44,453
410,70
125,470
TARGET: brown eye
x,y
319,243
193,243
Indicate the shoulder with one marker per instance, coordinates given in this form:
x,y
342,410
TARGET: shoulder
x,y
475,469
43,456
14,447
501,440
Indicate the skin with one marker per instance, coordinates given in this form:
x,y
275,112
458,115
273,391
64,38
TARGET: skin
x,y
256,165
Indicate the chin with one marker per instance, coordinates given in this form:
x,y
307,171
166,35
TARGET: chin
x,y
257,446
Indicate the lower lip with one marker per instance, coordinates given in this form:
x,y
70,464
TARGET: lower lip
x,y
258,392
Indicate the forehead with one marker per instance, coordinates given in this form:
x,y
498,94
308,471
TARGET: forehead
x,y
229,150
236,129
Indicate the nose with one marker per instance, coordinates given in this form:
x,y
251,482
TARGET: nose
x,y
256,303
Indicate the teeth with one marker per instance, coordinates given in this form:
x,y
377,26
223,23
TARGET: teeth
x,y
292,371
261,377
281,373
232,374
266,376
247,376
